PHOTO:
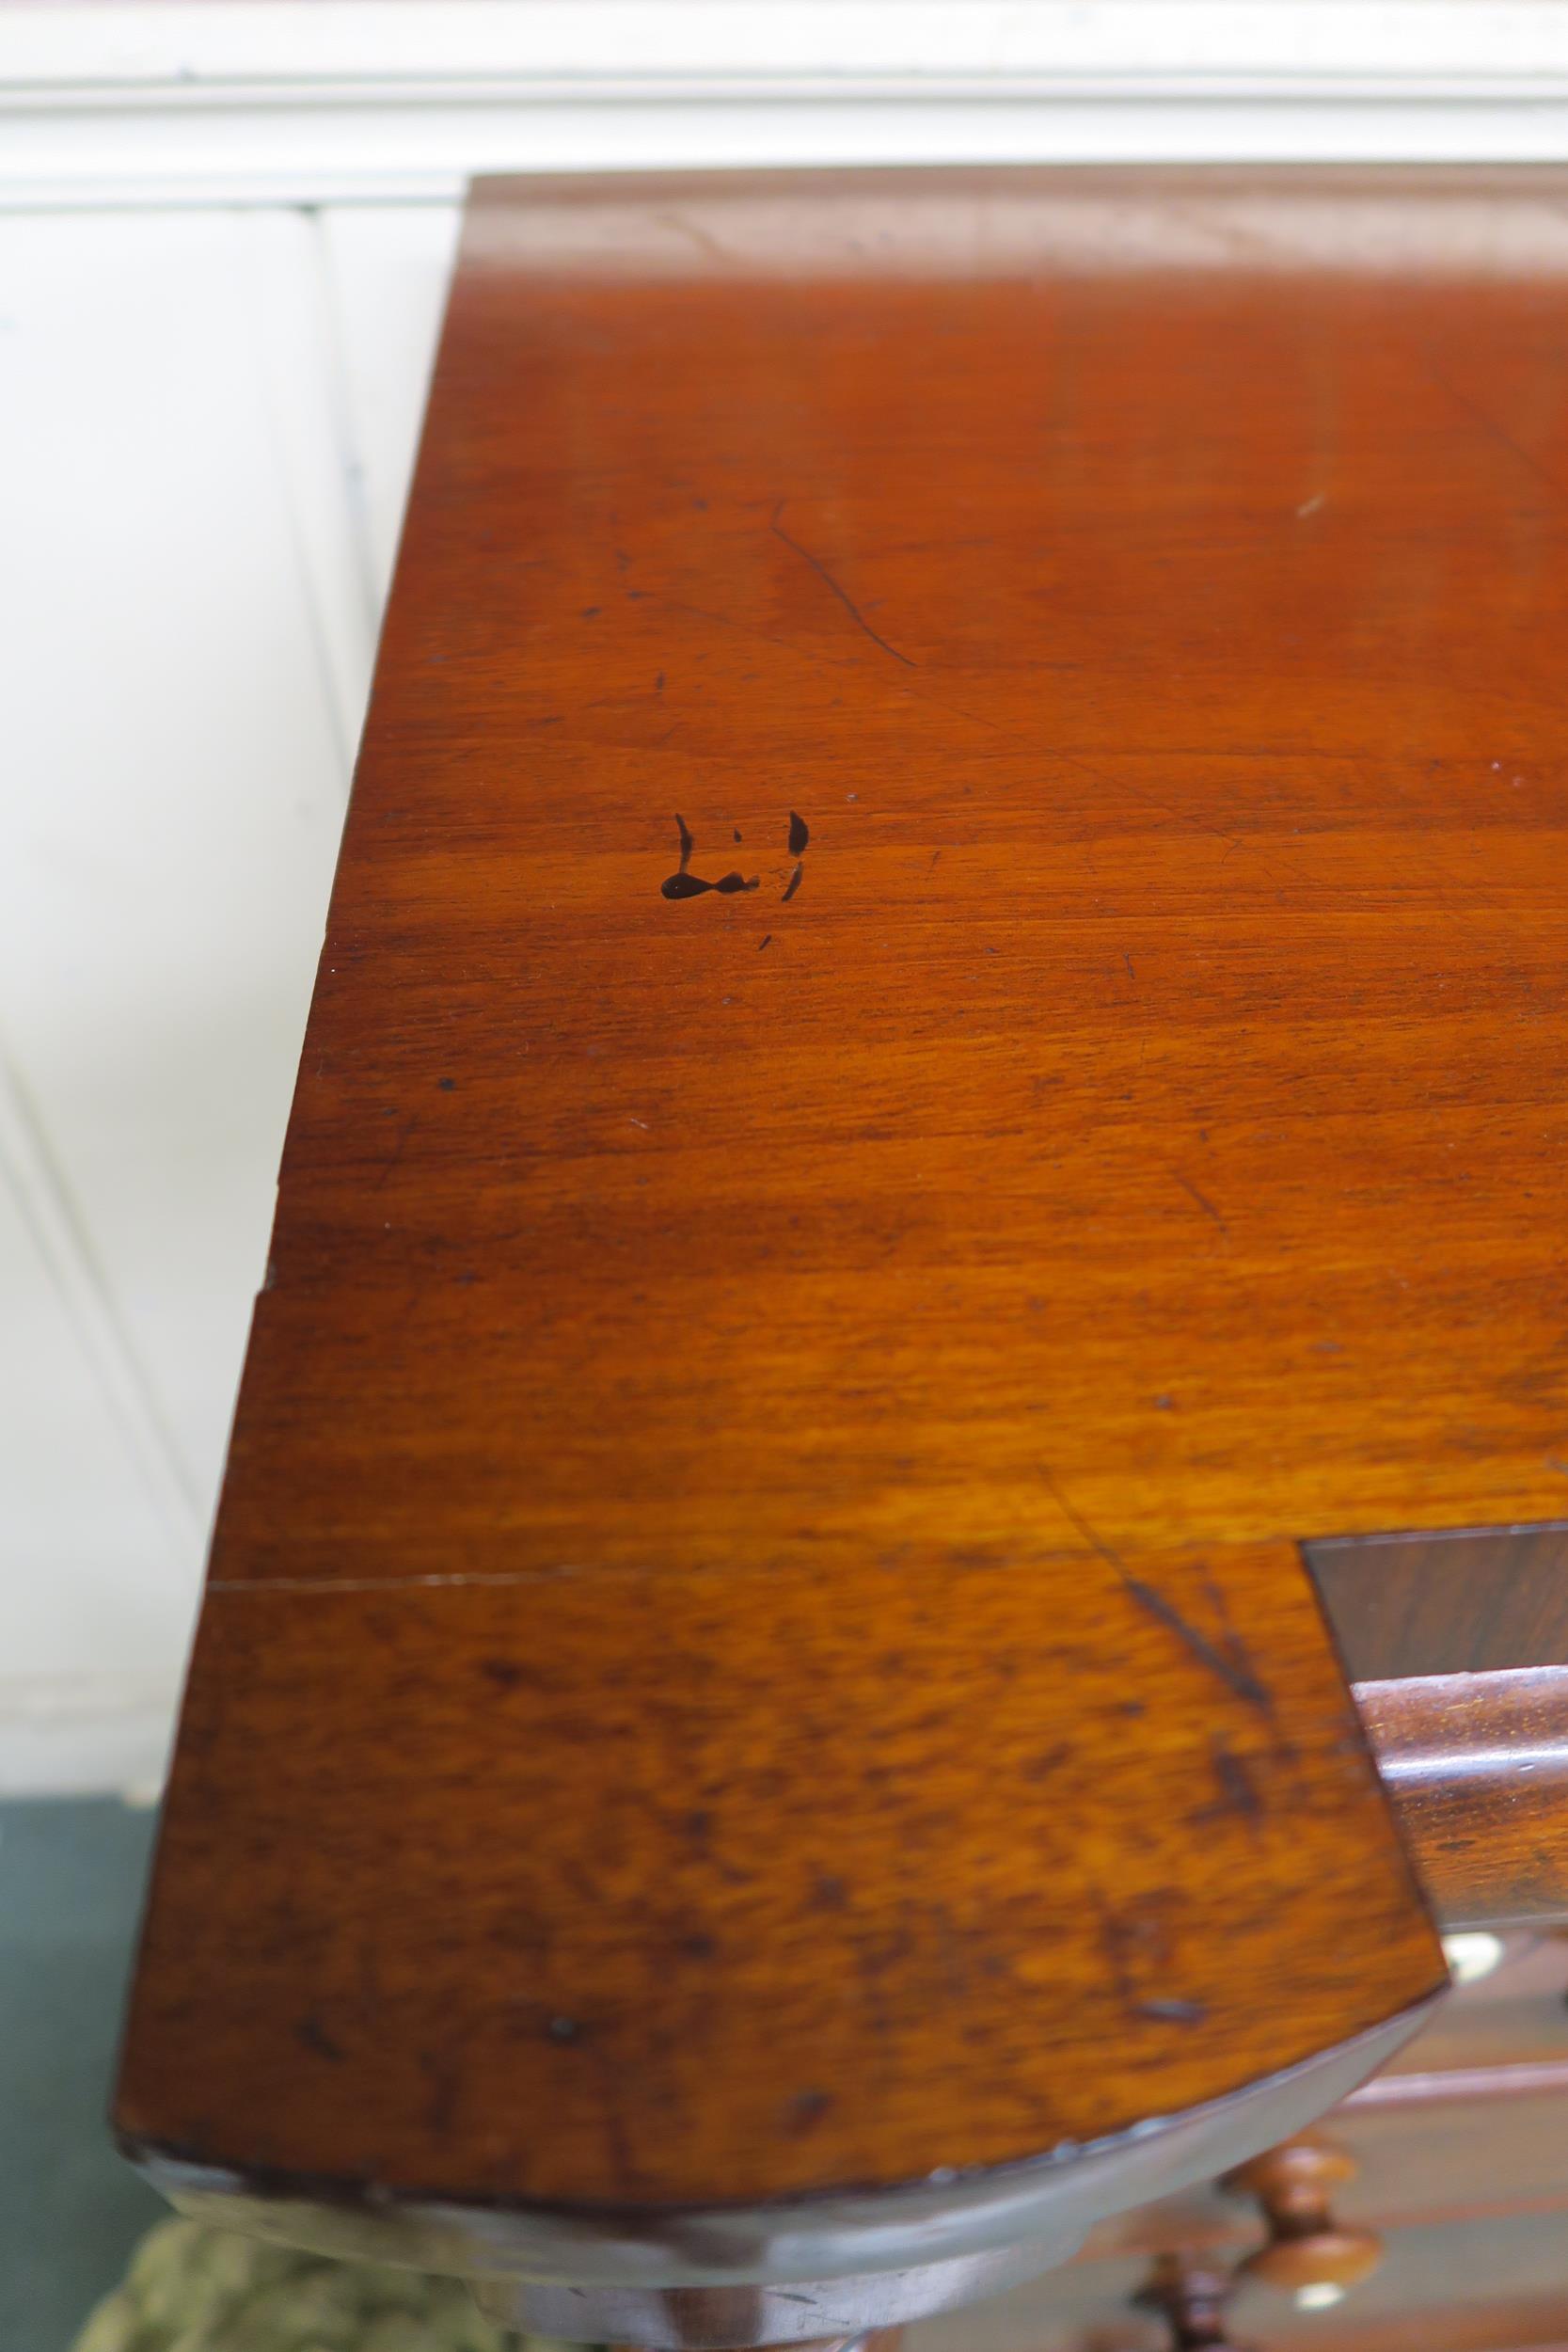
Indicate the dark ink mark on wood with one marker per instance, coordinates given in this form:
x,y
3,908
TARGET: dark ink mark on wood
x,y
440,2069
799,834
1235,1676
682,884
737,832
794,882
1236,1784
807,2107
448,1085
502,1672
762,942
313,2034
1238,1678
1233,1645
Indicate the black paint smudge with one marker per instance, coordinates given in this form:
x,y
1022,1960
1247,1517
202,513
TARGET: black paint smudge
x,y
314,2036
799,834
794,882
693,887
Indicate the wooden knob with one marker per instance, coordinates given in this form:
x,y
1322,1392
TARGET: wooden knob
x,y
1192,2297
1306,2246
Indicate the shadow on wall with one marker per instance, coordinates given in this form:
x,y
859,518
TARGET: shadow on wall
x,y
70,2209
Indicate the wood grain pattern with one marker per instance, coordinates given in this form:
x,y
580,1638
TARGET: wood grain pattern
x,y
1476,1601
646,1886
758,1386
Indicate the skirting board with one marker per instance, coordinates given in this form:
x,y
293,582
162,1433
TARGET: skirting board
x,y
261,102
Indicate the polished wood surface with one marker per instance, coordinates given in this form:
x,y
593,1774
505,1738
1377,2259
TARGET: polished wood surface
x,y
667,1885
1477,1765
756,1637
1468,1601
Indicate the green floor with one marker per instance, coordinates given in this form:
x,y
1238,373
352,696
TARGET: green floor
x,y
70,1882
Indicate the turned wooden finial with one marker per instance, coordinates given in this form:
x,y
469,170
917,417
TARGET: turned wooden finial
x,y
1306,2246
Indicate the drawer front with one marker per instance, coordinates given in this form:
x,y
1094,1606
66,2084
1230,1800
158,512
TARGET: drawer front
x,y
1478,2286
1436,2161
1457,2159
1516,2014
1470,2121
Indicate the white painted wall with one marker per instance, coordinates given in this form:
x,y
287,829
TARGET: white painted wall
x,y
207,418
225,232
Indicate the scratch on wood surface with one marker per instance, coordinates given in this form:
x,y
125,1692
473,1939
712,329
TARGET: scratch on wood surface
x,y
1495,430
1202,1201
843,595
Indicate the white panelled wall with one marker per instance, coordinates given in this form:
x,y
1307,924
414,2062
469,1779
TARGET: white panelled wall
x,y
224,234
206,419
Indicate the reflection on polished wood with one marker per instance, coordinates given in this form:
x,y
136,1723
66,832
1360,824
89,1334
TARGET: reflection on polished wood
x,y
1478,1768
